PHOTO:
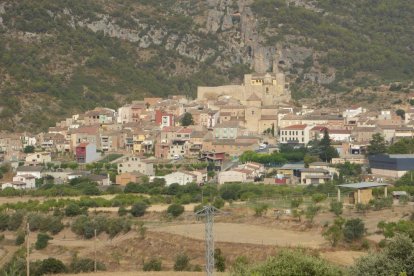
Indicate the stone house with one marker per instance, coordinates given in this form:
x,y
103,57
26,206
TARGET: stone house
x,y
134,164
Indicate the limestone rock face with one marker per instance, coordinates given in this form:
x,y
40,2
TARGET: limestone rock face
x,y
231,22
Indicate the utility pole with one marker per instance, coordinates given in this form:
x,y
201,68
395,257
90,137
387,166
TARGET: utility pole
x,y
27,250
94,247
208,212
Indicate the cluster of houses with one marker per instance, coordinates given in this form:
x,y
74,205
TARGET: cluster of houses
x,y
227,121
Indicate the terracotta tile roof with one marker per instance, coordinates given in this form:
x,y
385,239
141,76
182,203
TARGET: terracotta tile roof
x,y
295,127
253,97
185,130
82,145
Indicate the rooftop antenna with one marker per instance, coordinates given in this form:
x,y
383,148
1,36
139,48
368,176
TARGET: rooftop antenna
x,y
209,212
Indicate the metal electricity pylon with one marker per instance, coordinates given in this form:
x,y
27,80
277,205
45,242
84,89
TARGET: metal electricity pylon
x,y
209,212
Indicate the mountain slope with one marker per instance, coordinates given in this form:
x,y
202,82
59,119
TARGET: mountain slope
x,y
63,56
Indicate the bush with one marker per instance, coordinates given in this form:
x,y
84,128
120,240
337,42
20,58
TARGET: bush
x,y
42,241
381,203
219,260
311,212
138,209
403,200
318,197
296,202
122,211
365,244
4,221
72,210
85,265
43,223
55,225
15,221
153,265
182,263
354,229
336,207
290,262
382,243
86,226
133,188
334,233
260,209
175,210
51,266
396,259
218,203
20,238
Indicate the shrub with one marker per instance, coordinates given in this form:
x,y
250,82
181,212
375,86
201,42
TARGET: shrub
x,y
175,210
260,209
113,189
219,260
365,245
311,212
15,221
72,210
82,226
42,241
354,229
153,265
290,262
122,211
20,238
79,265
4,221
362,208
395,259
318,197
182,263
142,230
296,202
335,232
218,203
44,223
382,243
55,225
403,200
51,266
132,188
197,268
336,207
138,209
381,203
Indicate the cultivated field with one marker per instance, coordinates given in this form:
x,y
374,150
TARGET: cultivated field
x,y
253,234
237,233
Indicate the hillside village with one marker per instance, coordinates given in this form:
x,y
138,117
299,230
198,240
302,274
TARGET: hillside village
x,y
201,140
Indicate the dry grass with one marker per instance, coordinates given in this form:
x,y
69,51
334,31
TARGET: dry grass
x,y
344,258
244,233
141,273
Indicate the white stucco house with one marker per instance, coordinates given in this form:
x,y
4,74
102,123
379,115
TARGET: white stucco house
x,y
35,171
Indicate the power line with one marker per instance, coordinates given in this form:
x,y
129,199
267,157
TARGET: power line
x,y
209,212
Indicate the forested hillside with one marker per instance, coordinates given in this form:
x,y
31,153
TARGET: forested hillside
x,y
62,56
